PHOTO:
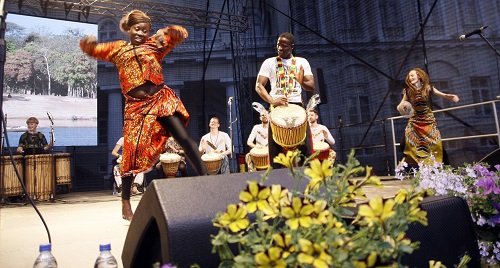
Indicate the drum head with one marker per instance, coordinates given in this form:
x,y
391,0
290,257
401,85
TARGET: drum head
x,y
288,116
170,158
259,151
321,146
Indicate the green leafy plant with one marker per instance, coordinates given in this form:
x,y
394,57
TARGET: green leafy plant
x,y
273,226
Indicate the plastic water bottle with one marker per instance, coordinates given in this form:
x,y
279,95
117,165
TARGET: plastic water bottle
x,y
45,259
105,258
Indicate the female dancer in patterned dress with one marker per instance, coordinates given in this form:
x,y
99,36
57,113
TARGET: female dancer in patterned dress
x,y
422,138
152,110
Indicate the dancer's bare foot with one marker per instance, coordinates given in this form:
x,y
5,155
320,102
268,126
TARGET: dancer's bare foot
x,y
127,213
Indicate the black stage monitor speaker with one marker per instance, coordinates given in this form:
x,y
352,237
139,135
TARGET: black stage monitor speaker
x,y
448,236
173,223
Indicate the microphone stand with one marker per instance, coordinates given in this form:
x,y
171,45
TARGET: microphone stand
x,y
231,122
52,156
340,124
489,43
2,138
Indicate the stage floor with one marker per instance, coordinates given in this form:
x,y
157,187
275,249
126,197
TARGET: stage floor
x,y
79,222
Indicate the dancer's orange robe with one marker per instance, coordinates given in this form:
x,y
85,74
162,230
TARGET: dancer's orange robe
x,y
144,137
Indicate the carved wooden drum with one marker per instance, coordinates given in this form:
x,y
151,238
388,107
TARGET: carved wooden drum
x,y
213,161
63,168
260,157
9,182
170,164
289,125
39,176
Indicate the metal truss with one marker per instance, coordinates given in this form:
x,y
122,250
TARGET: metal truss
x,y
163,13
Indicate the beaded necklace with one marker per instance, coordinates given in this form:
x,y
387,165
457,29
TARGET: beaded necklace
x,y
283,82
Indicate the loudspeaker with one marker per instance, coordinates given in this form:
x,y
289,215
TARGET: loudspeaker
x,y
449,235
492,158
173,221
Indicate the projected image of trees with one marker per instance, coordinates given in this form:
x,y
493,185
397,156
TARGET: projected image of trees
x,y
46,72
48,65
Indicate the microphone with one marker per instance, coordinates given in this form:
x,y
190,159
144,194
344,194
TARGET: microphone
x,y
50,118
229,100
467,35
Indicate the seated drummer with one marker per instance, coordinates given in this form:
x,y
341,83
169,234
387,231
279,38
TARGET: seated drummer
x,y
33,141
288,75
319,132
173,147
217,141
258,137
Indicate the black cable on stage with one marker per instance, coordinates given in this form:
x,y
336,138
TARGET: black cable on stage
x,y
4,124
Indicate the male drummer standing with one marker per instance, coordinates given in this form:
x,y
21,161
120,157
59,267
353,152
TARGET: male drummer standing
x,y
288,75
32,141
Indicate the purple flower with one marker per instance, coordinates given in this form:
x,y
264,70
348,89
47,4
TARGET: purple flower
x,y
494,220
482,170
488,185
168,265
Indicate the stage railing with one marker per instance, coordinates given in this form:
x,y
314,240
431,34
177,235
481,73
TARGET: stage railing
x,y
495,115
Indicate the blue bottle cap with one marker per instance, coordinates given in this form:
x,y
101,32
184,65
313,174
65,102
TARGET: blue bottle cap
x,y
105,247
45,247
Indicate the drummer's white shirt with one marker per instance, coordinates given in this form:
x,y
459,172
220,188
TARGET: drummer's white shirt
x,y
269,69
259,134
221,141
318,134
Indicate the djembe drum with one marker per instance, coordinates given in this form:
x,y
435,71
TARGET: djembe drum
x,y
63,168
260,157
323,148
213,161
289,125
325,152
170,164
9,182
39,176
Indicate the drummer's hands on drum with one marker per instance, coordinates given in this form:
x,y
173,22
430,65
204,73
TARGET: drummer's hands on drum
x,y
203,146
279,101
20,150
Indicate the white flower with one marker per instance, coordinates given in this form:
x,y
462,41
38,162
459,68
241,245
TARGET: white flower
x,y
470,172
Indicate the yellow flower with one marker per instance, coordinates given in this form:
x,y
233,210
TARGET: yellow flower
x,y
377,211
298,214
279,197
284,241
314,254
368,262
336,226
401,196
318,172
320,213
271,258
287,160
435,264
234,218
255,196
372,258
